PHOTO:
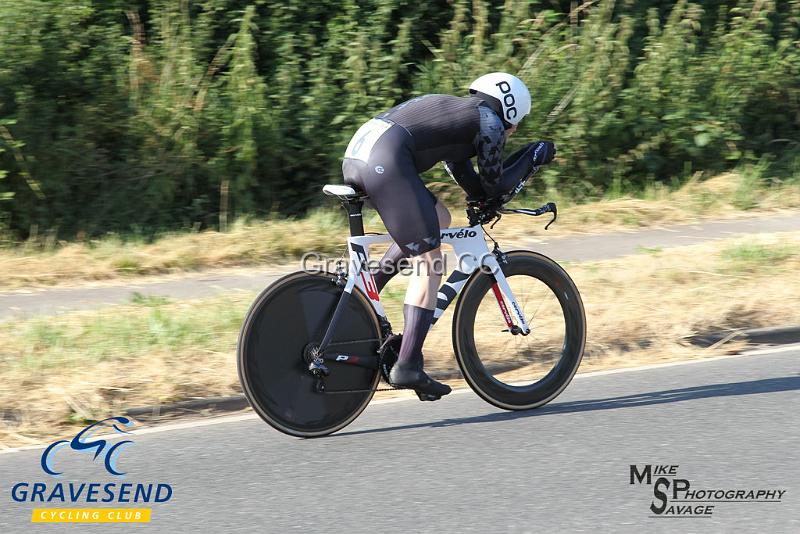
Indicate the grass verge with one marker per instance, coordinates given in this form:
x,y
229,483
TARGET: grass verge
x,y
324,231
61,371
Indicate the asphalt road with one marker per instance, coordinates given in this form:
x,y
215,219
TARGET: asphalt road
x,y
460,465
199,285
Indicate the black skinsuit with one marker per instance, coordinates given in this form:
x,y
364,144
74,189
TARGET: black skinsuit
x,y
387,154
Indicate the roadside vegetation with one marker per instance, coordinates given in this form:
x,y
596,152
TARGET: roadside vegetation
x,y
151,115
43,261
63,370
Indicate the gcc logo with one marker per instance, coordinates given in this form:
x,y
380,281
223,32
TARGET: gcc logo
x,y
81,443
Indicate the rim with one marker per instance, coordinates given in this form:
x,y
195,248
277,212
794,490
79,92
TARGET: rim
x,y
535,368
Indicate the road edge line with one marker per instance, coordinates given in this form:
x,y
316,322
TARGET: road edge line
x,y
245,417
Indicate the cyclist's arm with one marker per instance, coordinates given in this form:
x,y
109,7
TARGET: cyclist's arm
x,y
495,177
464,174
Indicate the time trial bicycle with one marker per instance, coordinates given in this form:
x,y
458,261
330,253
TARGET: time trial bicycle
x,y
314,345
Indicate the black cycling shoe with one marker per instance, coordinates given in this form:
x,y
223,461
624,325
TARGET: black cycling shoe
x,y
413,377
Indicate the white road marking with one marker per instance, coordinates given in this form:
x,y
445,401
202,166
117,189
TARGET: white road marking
x,y
250,416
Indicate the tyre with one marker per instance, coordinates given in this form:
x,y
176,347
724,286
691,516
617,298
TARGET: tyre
x,y
520,372
273,359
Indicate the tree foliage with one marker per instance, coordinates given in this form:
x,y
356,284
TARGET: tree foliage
x,y
149,114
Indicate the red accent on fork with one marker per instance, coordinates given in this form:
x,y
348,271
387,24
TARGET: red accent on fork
x,y
502,303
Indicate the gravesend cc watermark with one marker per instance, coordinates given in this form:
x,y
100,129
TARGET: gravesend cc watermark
x,y
76,501
80,443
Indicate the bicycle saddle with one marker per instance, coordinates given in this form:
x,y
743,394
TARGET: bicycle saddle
x,y
343,192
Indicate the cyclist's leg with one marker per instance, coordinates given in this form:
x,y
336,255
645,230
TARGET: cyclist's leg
x,y
443,214
418,313
423,285
409,213
393,262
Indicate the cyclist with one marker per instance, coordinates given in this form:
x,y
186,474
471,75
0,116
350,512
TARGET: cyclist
x,y
384,159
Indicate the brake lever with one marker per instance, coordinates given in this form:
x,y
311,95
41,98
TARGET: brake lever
x,y
550,207
554,210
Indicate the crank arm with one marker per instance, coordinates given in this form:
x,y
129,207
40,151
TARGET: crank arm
x,y
370,362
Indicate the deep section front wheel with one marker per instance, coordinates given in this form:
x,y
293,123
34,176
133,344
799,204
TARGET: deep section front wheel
x,y
519,372
285,320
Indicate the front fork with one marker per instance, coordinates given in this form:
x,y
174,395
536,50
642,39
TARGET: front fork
x,y
502,292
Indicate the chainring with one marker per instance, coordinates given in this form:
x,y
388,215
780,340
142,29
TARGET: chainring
x,y
388,354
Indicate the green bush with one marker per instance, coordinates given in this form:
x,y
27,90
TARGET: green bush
x,y
155,114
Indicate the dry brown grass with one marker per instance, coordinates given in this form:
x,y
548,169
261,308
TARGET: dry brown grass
x,y
280,240
110,258
727,195
60,371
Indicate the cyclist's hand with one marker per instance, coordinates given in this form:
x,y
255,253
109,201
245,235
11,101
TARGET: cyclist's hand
x,y
543,153
485,209
493,204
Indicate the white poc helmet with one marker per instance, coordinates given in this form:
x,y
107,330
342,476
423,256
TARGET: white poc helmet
x,y
509,90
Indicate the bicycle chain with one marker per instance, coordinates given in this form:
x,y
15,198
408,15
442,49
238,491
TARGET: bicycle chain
x,y
394,339
362,390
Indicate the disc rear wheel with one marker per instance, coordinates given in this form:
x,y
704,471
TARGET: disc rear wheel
x,y
273,355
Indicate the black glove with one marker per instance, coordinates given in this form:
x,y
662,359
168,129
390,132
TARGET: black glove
x,y
483,211
543,153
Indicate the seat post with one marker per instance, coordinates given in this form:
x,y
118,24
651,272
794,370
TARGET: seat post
x,y
353,208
